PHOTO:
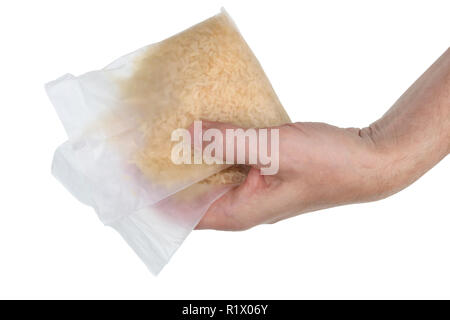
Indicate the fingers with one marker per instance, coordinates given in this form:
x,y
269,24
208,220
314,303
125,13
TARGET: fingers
x,y
226,143
248,204
237,209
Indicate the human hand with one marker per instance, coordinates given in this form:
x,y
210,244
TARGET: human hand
x,y
320,166
323,166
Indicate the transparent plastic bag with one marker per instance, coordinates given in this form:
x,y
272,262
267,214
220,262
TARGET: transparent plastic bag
x,y
119,120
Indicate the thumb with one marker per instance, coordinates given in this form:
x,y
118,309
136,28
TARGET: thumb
x,y
230,144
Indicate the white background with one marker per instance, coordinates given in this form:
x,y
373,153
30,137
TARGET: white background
x,y
342,62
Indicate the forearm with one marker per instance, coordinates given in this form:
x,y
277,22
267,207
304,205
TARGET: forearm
x,y
414,134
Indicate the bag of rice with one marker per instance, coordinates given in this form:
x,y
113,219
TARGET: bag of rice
x,y
119,121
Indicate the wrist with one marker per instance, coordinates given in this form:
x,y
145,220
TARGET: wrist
x,y
399,160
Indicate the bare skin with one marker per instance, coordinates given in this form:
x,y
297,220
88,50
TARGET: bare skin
x,y
323,166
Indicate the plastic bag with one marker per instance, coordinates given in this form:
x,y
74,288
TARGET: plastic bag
x,y
119,120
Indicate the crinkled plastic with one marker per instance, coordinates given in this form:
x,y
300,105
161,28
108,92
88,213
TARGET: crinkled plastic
x,y
118,121
153,221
